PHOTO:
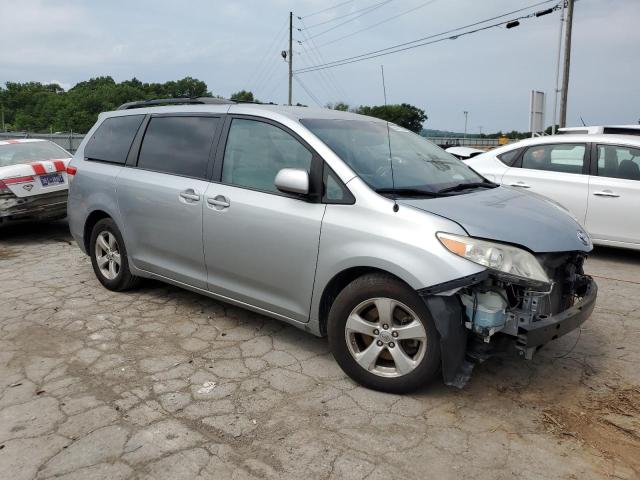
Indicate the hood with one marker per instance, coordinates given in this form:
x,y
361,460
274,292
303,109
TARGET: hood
x,y
507,215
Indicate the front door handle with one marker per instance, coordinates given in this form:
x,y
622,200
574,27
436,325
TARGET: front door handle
x,y
520,184
606,193
219,202
190,195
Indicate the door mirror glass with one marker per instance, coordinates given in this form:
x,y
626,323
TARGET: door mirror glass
x,y
292,180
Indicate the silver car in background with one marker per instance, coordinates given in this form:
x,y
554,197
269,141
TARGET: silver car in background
x,y
343,225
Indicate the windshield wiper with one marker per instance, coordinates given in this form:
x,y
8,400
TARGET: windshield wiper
x,y
409,192
465,186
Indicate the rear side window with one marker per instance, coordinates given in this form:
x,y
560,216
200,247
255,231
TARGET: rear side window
x,y
618,162
178,145
112,140
562,157
509,157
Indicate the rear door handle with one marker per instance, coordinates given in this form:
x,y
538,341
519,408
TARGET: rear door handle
x,y
520,184
606,193
219,202
190,195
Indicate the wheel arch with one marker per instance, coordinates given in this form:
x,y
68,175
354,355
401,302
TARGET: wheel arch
x,y
93,218
337,283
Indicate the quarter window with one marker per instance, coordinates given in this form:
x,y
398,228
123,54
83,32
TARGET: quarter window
x,y
257,151
618,162
509,157
178,145
563,157
112,140
334,189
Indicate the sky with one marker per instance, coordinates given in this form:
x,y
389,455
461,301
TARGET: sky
x,y
234,45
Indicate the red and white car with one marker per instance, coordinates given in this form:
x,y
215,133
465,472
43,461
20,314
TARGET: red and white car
x,y
33,180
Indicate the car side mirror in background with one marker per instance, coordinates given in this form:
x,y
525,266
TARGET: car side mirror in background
x,y
292,180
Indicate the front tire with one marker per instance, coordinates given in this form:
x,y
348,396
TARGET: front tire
x,y
109,257
382,335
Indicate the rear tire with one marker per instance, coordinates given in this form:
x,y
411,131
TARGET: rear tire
x,y
382,335
109,257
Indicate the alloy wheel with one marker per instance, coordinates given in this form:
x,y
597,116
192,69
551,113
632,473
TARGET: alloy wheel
x,y
108,255
385,337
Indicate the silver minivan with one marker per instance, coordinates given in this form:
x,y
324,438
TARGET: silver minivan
x,y
411,263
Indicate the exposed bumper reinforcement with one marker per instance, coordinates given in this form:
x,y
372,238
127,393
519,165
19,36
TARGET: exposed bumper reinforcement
x,y
543,331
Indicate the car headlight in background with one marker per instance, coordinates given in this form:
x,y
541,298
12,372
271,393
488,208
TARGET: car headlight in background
x,y
500,257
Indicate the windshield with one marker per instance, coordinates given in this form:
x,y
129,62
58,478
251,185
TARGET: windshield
x,y
24,152
417,163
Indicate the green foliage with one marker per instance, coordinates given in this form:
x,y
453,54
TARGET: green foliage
x,y
243,96
343,107
405,115
38,107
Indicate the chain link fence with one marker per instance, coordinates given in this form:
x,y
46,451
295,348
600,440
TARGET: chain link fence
x,y
69,141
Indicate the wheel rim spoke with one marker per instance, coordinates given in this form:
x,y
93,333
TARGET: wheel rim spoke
x,y
355,323
102,261
112,241
112,269
102,243
411,331
368,357
385,307
404,364
116,258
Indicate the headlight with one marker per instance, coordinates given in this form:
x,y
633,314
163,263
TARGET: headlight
x,y
496,256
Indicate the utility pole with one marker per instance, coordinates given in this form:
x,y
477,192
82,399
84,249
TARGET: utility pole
x,y
567,61
465,123
290,57
2,110
557,87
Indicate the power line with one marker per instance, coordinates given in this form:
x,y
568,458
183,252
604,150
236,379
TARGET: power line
x,y
369,10
409,45
337,87
311,95
339,17
327,9
261,64
379,23
269,61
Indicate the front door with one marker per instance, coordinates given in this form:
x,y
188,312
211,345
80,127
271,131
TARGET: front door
x,y
557,171
261,246
614,195
161,200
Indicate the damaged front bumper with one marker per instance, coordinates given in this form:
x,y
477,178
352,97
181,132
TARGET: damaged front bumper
x,y
545,329
525,317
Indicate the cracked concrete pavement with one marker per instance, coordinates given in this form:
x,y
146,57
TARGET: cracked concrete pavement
x,y
163,383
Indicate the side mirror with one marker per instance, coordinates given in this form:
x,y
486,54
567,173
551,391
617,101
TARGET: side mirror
x,y
292,180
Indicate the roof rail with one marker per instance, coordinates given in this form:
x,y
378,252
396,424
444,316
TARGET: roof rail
x,y
174,101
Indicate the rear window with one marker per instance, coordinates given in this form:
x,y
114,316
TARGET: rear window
x,y
178,145
113,138
16,153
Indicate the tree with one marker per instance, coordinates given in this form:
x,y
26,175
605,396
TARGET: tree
x,y
38,107
342,106
243,96
405,115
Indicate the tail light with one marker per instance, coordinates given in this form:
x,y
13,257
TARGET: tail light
x,y
4,184
71,171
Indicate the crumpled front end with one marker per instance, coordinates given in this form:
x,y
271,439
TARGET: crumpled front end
x,y
488,312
